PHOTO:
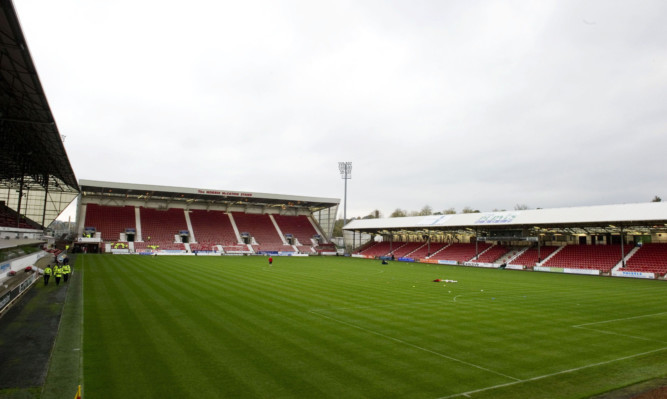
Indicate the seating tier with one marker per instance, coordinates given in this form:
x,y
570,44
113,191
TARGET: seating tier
x,y
159,227
212,227
530,258
427,250
262,229
492,254
110,221
650,258
461,252
299,226
407,249
382,248
600,257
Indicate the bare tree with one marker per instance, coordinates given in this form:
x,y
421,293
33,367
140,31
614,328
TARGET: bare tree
x,y
656,199
376,214
449,211
468,209
521,207
426,210
397,213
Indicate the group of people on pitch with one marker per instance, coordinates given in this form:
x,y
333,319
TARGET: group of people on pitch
x,y
58,272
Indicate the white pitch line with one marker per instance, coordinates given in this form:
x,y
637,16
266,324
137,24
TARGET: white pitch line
x,y
582,326
622,319
468,393
620,335
414,346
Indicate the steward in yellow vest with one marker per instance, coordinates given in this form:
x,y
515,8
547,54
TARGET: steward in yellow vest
x,y
58,273
66,272
47,274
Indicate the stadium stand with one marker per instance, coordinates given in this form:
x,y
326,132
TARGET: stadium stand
x,y
325,247
530,258
600,257
407,248
491,254
198,247
460,252
651,258
162,245
110,221
158,227
36,178
261,228
300,227
381,248
9,218
364,246
426,251
212,228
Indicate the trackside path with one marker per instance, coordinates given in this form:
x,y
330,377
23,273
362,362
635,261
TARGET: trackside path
x,y
64,375
27,335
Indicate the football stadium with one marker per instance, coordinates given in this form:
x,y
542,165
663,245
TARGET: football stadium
x,y
222,293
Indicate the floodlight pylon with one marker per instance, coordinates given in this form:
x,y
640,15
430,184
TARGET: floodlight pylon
x,y
345,169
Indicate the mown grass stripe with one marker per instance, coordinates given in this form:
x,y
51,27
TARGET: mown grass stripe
x,y
260,332
124,321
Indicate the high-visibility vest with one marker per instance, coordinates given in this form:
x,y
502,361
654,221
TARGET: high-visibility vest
x,y
47,271
58,271
66,269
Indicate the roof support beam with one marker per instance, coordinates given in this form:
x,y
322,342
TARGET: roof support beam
x,y
46,196
18,212
622,249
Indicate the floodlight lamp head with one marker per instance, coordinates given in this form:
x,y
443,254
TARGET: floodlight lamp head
x,y
345,168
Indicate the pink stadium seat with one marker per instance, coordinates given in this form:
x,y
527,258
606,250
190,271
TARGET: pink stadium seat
x,y
110,221
491,254
300,227
326,247
262,229
383,248
460,252
650,258
212,228
600,257
406,249
160,226
426,250
530,258
9,217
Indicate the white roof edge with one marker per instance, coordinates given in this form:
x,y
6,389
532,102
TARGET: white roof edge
x,y
204,191
595,214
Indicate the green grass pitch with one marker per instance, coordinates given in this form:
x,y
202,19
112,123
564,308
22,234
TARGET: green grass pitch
x,y
329,327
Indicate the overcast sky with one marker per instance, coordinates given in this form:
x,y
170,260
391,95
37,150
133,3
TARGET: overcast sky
x,y
485,104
